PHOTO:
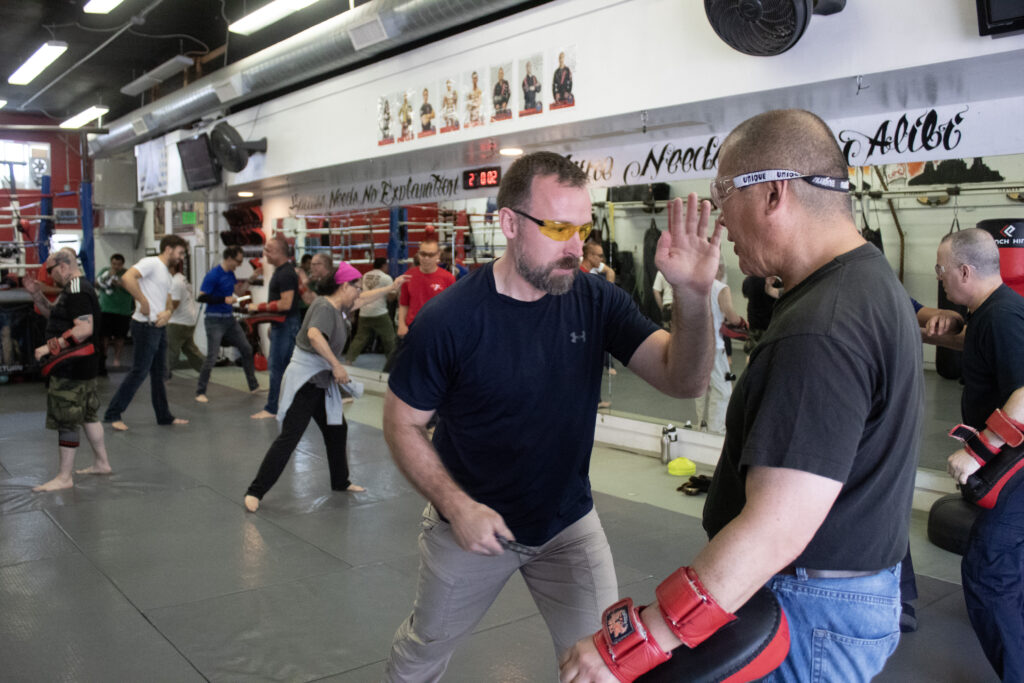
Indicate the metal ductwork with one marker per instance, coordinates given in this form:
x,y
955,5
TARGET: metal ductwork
x,y
349,38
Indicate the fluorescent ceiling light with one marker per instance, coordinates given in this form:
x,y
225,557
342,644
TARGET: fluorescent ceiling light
x,y
158,75
246,193
267,15
85,117
100,6
35,64
510,151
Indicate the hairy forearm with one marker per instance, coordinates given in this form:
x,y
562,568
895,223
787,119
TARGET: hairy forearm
x,y
419,462
691,346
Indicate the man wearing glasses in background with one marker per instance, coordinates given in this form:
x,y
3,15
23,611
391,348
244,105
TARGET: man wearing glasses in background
x,y
510,360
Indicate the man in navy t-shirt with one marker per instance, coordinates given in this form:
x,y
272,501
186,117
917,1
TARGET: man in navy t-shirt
x,y
509,358
219,291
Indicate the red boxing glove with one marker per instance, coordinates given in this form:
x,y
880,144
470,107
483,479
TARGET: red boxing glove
x,y
690,610
1006,428
975,443
624,643
255,263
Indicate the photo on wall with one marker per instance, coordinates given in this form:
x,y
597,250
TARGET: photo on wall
x,y
561,79
501,92
474,87
450,105
530,86
427,115
385,121
405,130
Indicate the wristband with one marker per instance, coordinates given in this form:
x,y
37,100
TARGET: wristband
x,y
975,443
1006,428
272,307
690,611
624,643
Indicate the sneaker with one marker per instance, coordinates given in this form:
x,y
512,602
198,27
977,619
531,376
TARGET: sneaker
x,y
688,425
729,377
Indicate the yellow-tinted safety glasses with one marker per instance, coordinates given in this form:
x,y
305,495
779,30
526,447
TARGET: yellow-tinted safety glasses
x,y
557,230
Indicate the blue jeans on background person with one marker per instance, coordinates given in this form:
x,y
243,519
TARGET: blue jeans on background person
x,y
840,629
224,330
994,584
149,356
282,342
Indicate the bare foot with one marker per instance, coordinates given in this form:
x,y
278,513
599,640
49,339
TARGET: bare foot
x,y
252,503
347,400
612,371
96,469
604,404
119,426
179,421
355,488
55,484
259,390
262,415
201,398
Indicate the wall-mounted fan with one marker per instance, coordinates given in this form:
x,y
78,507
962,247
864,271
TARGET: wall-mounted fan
x,y
231,150
764,28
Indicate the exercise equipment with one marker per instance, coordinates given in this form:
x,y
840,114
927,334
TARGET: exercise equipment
x,y
949,522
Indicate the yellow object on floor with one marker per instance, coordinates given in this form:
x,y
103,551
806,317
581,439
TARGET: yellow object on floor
x,y
682,467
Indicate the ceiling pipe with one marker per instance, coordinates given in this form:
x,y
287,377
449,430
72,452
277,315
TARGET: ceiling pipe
x,y
377,27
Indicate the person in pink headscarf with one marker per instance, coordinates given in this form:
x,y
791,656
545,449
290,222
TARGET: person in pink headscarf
x,y
314,380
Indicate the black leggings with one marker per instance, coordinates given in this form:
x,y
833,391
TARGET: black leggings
x,y
308,403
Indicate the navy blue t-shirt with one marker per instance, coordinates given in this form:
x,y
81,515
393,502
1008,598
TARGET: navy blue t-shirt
x,y
993,366
516,386
218,283
285,279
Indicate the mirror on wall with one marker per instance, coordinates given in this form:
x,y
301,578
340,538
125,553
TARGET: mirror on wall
x,y
908,206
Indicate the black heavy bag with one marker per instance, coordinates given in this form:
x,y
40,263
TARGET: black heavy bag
x,y
948,361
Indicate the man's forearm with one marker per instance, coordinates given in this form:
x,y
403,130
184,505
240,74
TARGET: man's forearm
x,y
691,346
420,463
42,303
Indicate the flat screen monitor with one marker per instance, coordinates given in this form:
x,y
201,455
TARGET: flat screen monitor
x,y
1000,16
198,163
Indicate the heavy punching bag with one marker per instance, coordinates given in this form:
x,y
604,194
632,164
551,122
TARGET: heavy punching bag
x,y
1009,236
947,361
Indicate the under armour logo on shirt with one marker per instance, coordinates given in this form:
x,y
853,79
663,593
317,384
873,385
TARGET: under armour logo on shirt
x,y
436,287
581,337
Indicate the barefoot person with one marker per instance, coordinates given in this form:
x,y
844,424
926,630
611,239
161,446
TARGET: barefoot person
x,y
309,388
71,398
149,283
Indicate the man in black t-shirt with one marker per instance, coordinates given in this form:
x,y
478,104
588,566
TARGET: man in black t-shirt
x,y
282,298
509,358
71,399
967,264
813,490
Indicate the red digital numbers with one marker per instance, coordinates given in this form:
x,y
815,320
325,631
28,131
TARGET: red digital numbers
x,y
481,177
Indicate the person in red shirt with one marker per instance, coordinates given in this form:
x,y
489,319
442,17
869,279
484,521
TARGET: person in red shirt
x,y
428,280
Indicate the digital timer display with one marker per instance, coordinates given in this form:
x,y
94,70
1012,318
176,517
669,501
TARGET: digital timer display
x,y
481,177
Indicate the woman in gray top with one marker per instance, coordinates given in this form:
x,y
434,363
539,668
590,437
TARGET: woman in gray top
x,y
310,386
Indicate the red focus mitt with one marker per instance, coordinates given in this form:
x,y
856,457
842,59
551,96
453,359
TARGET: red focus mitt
x,y
974,442
55,359
624,643
690,610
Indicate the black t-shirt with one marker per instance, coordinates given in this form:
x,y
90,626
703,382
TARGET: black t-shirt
x,y
285,279
759,304
993,365
516,386
78,298
834,388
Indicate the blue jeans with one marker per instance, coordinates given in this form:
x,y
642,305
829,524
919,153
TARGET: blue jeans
x,y
149,356
282,342
840,629
993,580
224,330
